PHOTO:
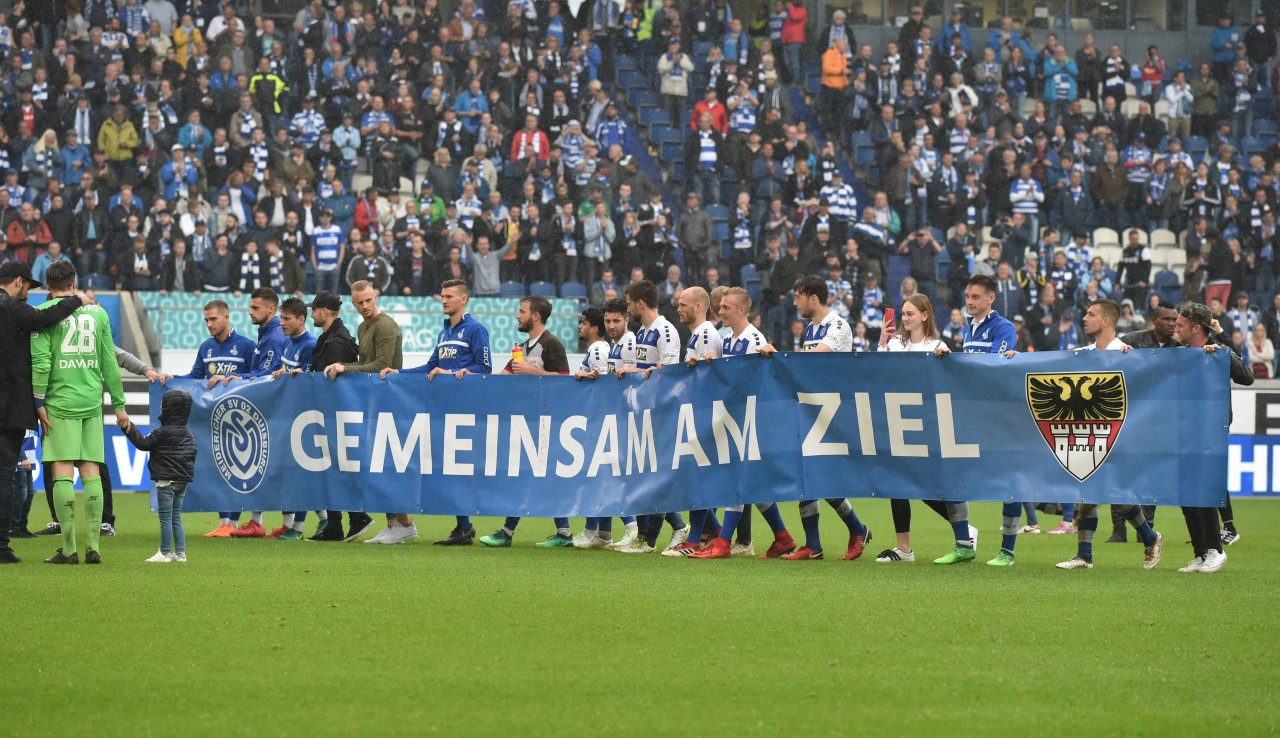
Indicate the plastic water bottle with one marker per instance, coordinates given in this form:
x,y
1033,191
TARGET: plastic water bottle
x,y
517,354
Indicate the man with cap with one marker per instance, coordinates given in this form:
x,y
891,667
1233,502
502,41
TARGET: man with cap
x,y
76,158
611,130
178,176
1194,328
333,346
18,321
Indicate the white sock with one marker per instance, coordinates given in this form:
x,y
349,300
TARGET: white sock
x,y
322,514
633,527
588,533
288,520
224,521
297,525
256,517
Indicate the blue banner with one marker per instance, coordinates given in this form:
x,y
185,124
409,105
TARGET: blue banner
x,y
1253,466
1142,427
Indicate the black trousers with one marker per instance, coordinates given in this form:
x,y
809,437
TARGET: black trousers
x,y
10,450
108,510
1202,524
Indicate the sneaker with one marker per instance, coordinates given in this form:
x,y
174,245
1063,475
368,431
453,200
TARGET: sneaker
x,y
222,531
958,555
1229,536
1193,566
329,532
106,529
741,549
1119,535
857,544
52,529
891,555
677,537
802,554
1029,529
9,557
637,546
599,542
21,533
290,535
58,558
93,557
1075,562
1151,554
1004,558
582,539
396,534
320,529
684,549
555,540
359,526
717,549
1063,528
278,532
1213,561
249,530
180,557
628,539
458,537
782,544
497,539
160,557
710,535
973,537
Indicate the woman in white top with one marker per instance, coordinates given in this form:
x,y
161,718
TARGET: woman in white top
x,y
1261,352
919,332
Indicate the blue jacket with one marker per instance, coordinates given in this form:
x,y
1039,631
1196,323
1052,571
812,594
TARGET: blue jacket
x,y
344,211
172,181
1052,68
186,137
1218,40
70,155
464,346
943,44
297,353
995,335
1017,39
230,357
269,353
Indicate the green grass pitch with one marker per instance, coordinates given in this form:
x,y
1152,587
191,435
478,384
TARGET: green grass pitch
x,y
266,638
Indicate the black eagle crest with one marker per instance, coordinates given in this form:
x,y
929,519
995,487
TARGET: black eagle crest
x,y
1082,397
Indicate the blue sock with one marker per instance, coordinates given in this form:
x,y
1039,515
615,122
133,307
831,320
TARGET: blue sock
x,y
675,520
712,522
961,530
300,517
1068,512
562,525
697,519
773,516
809,519
1139,520
1088,526
1012,515
1030,509
510,525
626,520
464,522
730,524
592,524
844,509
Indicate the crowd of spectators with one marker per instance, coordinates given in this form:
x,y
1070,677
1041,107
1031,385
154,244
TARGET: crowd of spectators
x,y
193,145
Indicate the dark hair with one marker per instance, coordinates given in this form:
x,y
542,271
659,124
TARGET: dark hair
x,y
60,276
617,306
267,294
813,286
466,288
540,305
985,281
1109,309
643,291
295,307
594,317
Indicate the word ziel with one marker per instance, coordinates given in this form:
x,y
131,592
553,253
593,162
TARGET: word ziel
x,y
895,418
474,444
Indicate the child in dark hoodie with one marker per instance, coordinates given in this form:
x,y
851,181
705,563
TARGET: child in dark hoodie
x,y
172,465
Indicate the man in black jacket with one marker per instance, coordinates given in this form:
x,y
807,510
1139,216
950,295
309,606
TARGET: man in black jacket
x,y
334,346
18,321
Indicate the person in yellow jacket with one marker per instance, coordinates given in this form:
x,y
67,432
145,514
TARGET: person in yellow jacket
x,y
835,81
186,39
117,138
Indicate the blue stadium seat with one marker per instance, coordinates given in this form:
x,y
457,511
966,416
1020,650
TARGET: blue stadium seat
x,y
97,282
511,289
649,116
860,138
749,273
1167,286
720,230
864,156
677,173
718,212
1252,145
624,63
702,48
632,79
661,133
812,82
545,289
638,98
1196,146
573,291
1263,126
672,151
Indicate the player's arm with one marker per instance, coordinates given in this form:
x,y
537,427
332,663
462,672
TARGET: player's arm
x,y
480,361
1005,341
384,349
31,320
41,364
110,369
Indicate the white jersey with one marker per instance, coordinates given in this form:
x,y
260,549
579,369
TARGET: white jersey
x,y
656,344
902,343
832,331
597,358
1115,345
704,340
747,342
622,353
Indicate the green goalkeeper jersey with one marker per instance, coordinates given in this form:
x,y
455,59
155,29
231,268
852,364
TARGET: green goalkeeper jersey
x,y
72,360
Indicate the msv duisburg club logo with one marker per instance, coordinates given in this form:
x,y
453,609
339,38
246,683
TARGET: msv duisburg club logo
x,y
1079,415
241,443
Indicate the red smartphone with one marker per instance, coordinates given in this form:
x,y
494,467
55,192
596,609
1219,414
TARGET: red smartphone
x,y
889,315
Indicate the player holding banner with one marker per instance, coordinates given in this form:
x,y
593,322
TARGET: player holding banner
x,y
591,329
70,363
462,348
621,358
